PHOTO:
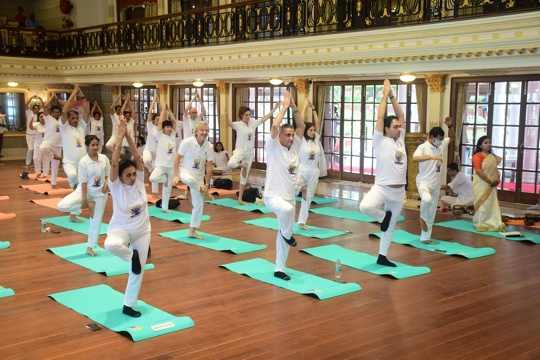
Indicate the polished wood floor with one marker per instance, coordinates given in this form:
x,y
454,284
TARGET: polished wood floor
x,y
464,309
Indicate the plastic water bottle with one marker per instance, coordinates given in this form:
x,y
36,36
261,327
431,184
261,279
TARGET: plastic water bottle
x,y
338,269
186,195
43,226
262,188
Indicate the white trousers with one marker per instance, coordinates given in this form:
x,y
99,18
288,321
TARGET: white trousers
x,y
452,200
197,197
71,171
390,199
163,175
30,144
241,156
149,159
310,177
284,210
48,152
428,206
122,243
39,162
72,204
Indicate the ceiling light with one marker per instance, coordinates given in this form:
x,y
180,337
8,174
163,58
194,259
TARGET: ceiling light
x,y
13,84
276,81
138,84
198,83
407,77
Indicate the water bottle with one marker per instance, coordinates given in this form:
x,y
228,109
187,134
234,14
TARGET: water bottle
x,y
338,269
262,188
186,195
43,226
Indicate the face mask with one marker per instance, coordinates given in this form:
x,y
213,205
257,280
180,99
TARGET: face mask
x,y
437,143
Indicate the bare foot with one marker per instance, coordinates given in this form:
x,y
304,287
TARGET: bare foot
x,y
54,186
166,211
241,202
208,197
303,227
73,218
428,242
193,234
90,252
38,176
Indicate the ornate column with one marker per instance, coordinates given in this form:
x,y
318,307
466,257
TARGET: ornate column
x,y
435,99
163,93
302,87
225,135
412,140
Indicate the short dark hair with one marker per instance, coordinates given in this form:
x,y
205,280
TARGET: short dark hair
x,y
96,112
124,164
166,123
70,112
436,131
127,112
88,139
388,122
242,111
55,107
154,116
117,107
282,127
453,166
215,146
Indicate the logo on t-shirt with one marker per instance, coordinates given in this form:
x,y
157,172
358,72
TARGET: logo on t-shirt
x,y
78,141
438,167
57,128
292,169
196,164
97,181
170,148
311,155
399,158
249,136
136,210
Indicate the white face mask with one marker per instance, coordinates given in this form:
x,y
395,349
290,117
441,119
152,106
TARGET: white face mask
x,y
437,143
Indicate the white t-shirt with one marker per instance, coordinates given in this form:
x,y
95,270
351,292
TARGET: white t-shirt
x,y
73,142
52,131
165,150
151,137
93,173
310,152
188,125
130,210
245,134
30,118
462,186
96,128
282,167
179,129
195,156
220,159
114,120
40,132
3,122
391,158
429,171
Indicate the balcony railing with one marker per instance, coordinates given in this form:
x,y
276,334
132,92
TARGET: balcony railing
x,y
246,21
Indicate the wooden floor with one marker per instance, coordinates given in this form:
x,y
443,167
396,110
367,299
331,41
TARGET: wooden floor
x,y
464,309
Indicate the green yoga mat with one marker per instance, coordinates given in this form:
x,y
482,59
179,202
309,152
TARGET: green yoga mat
x,y
178,216
4,244
104,262
468,226
345,214
231,203
443,247
63,221
5,292
315,232
301,282
364,262
103,305
319,200
214,242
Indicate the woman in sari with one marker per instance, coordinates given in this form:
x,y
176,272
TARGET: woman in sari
x,y
487,214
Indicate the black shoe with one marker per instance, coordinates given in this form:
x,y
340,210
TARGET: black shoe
x,y
386,221
135,263
130,312
149,251
282,275
291,241
382,260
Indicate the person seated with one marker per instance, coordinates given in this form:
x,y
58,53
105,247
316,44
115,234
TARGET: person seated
x,y
20,17
460,186
32,22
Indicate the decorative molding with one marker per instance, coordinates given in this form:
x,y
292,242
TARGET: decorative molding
x,y
162,88
436,82
223,87
302,85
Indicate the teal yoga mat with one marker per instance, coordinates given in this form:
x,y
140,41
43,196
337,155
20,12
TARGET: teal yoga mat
x,y
63,221
315,232
5,292
364,262
232,203
104,263
301,282
178,216
443,247
4,244
345,214
103,305
319,200
214,242
468,226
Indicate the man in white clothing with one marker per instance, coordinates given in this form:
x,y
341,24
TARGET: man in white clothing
x,y
114,112
51,146
460,186
191,117
152,132
31,117
282,146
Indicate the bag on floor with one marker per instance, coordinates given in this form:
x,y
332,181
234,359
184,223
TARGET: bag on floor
x,y
173,204
250,194
223,183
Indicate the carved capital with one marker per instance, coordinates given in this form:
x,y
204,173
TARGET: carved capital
x,y
162,88
302,85
435,82
223,87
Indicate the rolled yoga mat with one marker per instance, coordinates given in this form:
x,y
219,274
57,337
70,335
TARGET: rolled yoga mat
x,y
103,263
103,305
301,282
5,292
364,262
345,214
319,200
442,247
63,221
214,242
315,232
174,215
231,203
468,226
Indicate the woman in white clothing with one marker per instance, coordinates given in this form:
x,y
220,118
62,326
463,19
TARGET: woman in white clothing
x,y
311,156
39,127
96,124
128,235
221,157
